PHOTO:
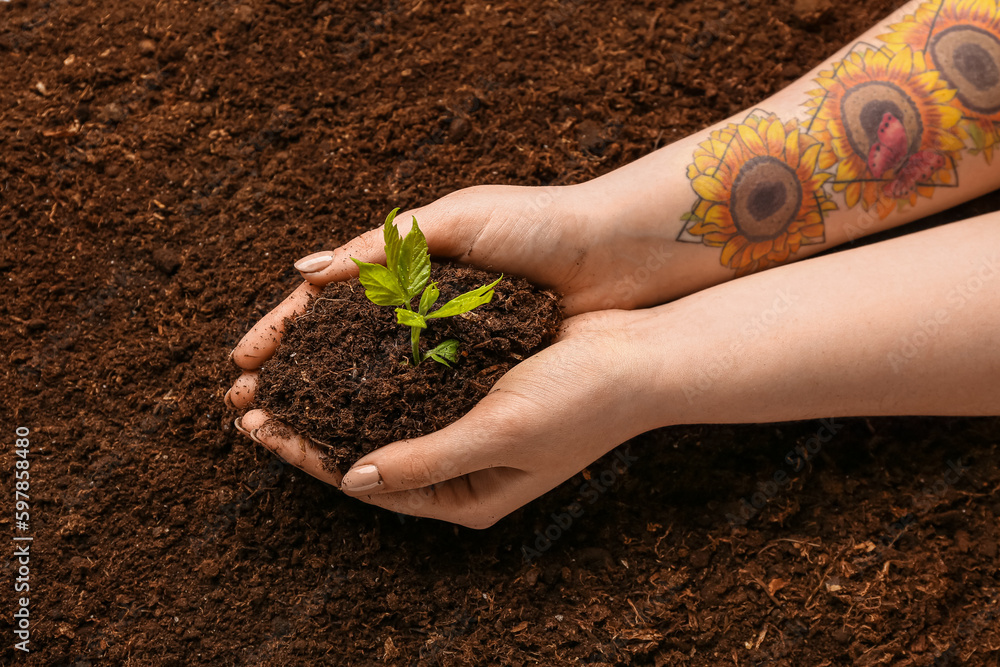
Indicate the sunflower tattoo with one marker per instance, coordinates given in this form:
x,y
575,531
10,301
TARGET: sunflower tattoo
x,y
886,123
885,127
960,40
760,196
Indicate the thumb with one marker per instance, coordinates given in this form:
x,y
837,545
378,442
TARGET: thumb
x,y
481,439
327,266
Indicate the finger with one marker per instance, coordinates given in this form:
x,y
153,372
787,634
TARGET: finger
x,y
479,440
477,500
259,343
242,392
442,230
288,445
327,266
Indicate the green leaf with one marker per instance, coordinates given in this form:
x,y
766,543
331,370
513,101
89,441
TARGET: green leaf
x,y
977,135
410,318
466,302
444,352
381,284
393,241
429,298
414,269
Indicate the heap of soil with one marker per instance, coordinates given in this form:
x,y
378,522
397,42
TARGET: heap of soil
x,y
343,374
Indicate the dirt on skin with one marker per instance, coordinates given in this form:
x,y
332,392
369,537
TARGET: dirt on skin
x,y
343,375
165,163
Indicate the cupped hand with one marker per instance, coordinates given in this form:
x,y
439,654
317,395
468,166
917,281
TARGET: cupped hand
x,y
557,237
553,236
544,421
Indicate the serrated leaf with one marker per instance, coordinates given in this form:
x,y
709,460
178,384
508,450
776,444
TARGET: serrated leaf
x,y
444,352
410,318
393,241
466,302
381,285
414,269
429,298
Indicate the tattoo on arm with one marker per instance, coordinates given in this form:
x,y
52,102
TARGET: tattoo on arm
x,y
884,127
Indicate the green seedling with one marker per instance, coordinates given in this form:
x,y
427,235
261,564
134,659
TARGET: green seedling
x,y
404,277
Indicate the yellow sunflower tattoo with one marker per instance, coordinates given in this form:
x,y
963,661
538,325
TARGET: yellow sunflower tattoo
x,y
886,121
960,40
760,197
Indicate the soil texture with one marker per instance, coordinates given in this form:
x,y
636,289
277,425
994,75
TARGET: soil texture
x,y
163,165
344,374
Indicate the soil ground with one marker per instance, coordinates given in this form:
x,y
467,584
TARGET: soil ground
x,y
164,163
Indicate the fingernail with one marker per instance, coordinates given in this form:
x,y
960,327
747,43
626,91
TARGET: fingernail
x,y
253,436
228,401
362,478
314,262
238,423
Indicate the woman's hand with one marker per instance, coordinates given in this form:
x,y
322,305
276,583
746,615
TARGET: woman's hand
x,y
563,238
558,237
543,422
553,236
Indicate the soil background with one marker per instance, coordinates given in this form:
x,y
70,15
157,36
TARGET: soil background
x,y
164,163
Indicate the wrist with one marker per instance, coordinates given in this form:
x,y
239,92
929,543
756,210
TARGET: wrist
x,y
665,374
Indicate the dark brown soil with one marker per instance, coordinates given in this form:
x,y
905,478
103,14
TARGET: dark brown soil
x,y
343,374
179,156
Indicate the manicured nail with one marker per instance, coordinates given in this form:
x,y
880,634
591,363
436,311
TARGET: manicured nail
x,y
314,262
362,478
238,423
228,401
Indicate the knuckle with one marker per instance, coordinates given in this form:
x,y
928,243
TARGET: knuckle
x,y
476,520
369,243
415,470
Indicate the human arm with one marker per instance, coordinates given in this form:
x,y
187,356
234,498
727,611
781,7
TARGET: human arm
x,y
904,327
750,193
652,230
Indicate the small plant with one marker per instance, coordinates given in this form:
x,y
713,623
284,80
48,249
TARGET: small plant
x,y
404,277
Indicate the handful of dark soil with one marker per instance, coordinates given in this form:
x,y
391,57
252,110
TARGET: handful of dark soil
x,y
343,374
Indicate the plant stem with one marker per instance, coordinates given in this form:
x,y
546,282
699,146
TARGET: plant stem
x,y
414,337
415,344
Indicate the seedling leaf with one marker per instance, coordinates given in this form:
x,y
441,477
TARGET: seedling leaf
x,y
466,302
414,269
393,241
429,298
404,277
410,319
444,352
381,285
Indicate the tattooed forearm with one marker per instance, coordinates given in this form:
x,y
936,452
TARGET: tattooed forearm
x,y
885,126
